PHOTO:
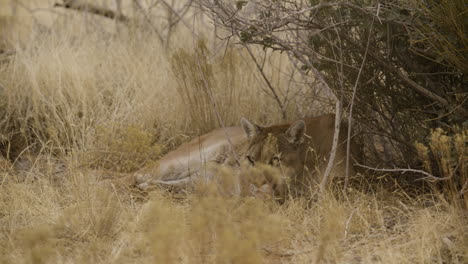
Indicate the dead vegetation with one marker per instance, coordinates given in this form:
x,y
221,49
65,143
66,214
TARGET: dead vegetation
x,y
76,103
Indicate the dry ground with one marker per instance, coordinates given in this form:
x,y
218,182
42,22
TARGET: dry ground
x,y
88,102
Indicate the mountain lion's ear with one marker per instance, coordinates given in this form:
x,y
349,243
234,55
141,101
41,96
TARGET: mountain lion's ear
x,y
295,133
250,129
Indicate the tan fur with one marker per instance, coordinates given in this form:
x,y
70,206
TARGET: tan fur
x,y
192,156
205,160
299,151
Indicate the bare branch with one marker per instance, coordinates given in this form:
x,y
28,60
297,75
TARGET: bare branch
x,y
429,177
273,91
93,9
331,160
396,101
138,6
350,117
180,14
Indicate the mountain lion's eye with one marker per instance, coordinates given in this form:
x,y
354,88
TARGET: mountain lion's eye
x,y
251,160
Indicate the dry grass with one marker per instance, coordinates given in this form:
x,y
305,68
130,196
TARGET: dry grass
x,y
78,220
86,99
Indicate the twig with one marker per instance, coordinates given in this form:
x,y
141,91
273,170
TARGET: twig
x,y
347,224
180,14
348,137
397,71
286,254
428,175
334,146
179,18
148,21
464,188
218,115
93,9
275,95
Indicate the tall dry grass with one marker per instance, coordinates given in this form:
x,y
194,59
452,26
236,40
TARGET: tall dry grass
x,y
74,98
66,85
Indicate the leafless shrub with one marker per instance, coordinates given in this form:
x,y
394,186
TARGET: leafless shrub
x,y
413,77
